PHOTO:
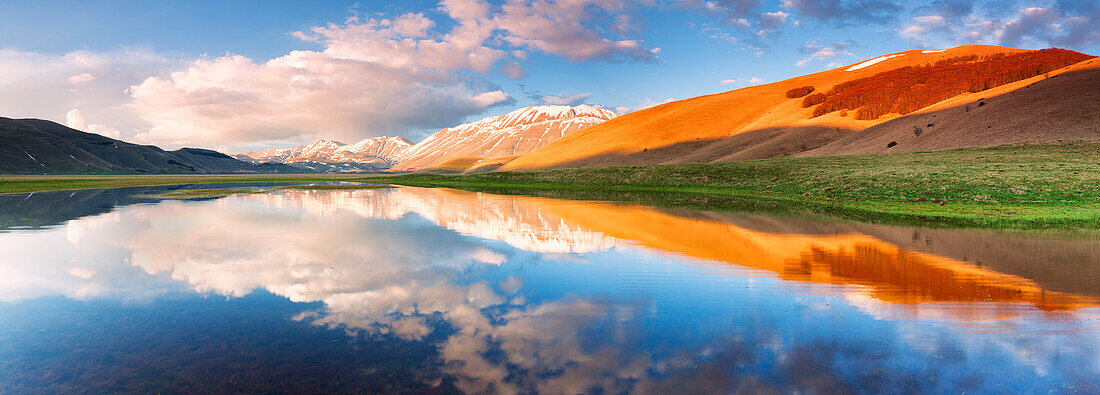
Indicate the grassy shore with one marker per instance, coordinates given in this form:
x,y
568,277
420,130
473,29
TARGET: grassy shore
x,y
1055,186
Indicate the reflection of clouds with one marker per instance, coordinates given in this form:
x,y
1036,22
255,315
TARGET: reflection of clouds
x,y
383,271
365,271
384,276
545,348
80,260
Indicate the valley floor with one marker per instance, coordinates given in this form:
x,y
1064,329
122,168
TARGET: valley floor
x,y
1050,186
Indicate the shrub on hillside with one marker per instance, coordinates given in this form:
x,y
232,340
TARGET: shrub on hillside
x,y
907,89
814,99
799,92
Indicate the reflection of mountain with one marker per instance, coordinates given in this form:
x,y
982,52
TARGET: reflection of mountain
x,y
893,274
886,271
372,267
515,221
892,264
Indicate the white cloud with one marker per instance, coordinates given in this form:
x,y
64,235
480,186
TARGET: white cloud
x,y
569,28
81,78
34,85
373,77
74,119
948,23
399,74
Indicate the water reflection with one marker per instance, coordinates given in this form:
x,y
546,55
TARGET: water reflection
x,y
522,294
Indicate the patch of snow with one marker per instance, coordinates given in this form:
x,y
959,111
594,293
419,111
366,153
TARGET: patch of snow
x,y
873,62
932,50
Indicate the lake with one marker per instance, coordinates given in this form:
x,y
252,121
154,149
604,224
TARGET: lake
x,y
437,290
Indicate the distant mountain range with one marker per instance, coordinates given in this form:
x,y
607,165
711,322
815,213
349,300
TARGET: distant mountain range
x,y
372,153
35,146
967,96
476,144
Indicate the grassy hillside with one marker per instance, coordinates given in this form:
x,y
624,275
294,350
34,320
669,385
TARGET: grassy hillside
x,y
1016,186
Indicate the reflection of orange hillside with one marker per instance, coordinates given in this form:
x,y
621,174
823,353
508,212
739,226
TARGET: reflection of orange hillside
x,y
892,274
901,276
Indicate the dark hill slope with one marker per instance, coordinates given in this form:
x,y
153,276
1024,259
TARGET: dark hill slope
x,y
35,146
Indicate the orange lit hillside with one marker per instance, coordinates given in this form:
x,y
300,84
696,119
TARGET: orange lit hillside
x,y
762,121
907,89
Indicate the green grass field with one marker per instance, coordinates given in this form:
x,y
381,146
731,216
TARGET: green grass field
x,y
1024,187
1054,186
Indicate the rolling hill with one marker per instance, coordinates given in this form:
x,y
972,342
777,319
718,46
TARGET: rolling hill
x,y
35,146
840,111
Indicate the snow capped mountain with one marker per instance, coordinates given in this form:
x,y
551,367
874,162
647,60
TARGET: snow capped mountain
x,y
382,147
378,152
514,133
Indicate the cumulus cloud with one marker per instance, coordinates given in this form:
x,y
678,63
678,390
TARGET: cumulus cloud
x,y
373,77
748,24
946,23
48,86
380,76
571,29
846,12
770,21
386,74
74,119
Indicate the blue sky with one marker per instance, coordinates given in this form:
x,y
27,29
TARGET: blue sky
x,y
250,74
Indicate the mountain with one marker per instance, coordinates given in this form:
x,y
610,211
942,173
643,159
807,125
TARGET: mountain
x,y
1058,108
367,154
518,132
1000,94
35,146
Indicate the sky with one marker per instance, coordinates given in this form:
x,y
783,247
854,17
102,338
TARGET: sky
x,y
250,75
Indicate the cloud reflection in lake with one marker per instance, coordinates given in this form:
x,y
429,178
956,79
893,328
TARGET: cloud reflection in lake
x,y
564,296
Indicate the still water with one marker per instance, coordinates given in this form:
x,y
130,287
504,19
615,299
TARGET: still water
x,y
437,290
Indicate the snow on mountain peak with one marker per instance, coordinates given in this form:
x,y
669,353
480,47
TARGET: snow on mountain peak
x,y
514,133
379,150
